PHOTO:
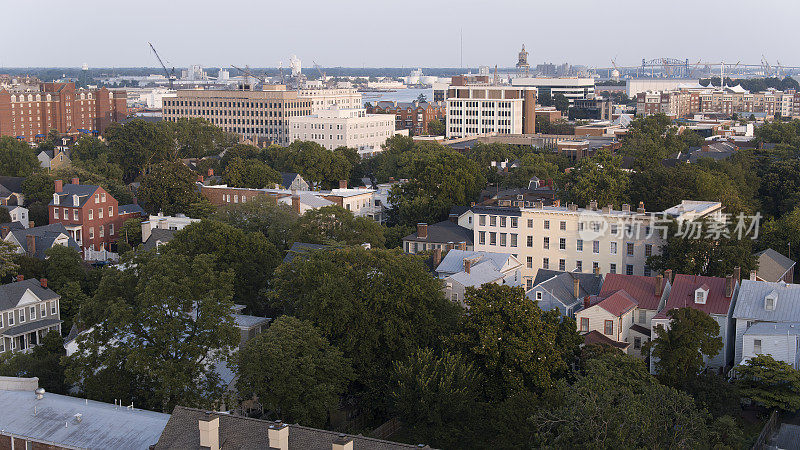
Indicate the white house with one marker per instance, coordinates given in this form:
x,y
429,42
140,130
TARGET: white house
x,y
461,269
19,214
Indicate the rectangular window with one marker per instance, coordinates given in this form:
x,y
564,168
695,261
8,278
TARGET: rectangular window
x,y
482,237
514,222
538,296
55,213
579,245
562,265
75,214
530,241
110,211
596,247
584,324
648,249
111,229
91,214
32,312
613,249
21,315
530,223
503,239
11,318
91,232
513,239
545,263
595,267
562,244
97,198
612,268
546,242
103,197
482,220
647,271
757,346
529,262
53,307
562,226
42,311
608,327
492,221
579,266
546,224
99,213
528,284
502,221
492,238
642,316
628,269
102,230
637,343
629,248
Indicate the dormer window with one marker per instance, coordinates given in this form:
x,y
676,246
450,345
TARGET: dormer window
x,y
701,295
770,300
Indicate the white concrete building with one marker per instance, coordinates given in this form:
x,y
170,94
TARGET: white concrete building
x,y
481,108
342,98
572,88
354,128
634,86
162,222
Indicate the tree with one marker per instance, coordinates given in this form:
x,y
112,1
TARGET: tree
x,y
138,144
17,159
196,137
130,236
437,398
545,99
770,383
251,257
513,342
169,188
5,216
561,102
261,214
44,362
171,330
617,403
436,127
334,224
295,372
377,306
679,351
316,163
250,173
599,178
8,267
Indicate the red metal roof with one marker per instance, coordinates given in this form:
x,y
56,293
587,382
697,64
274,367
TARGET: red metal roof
x,y
618,303
596,337
641,288
682,295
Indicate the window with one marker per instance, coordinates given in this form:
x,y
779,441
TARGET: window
x,y
492,221
579,266
608,327
1,323
579,245
529,262
700,296
32,312
637,343
102,230
628,269
642,316
91,214
74,214
528,284
769,302
502,221
757,346
103,197
513,239
647,271
562,226
21,315
492,238
629,248
595,247
562,244
562,265
648,249
111,229
546,242
42,311
503,239
53,307
546,224
613,249
55,213
97,198
99,213
612,268
482,220
530,223
481,237
91,232
595,267
514,222
530,241
584,324
545,263
538,296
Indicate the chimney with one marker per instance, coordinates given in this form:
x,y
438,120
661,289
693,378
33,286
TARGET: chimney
x,y
4,230
437,257
668,275
450,245
20,277
453,218
753,275
626,207
593,205
30,240
586,302
576,286
342,184
467,265
640,210
200,178
296,203
659,285
31,224
557,203
43,282
343,442
209,432
729,286
279,436
737,274
75,180
210,172
422,230
59,186
462,245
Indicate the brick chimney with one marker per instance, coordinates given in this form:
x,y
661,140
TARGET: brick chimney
x,y
737,274
279,436
668,275
4,230
30,240
43,282
462,245
640,209
20,277
200,178
437,257
296,203
729,286
75,180
31,224
59,186
659,285
342,184
467,265
453,218
343,442
209,432
576,286
210,172
587,301
422,230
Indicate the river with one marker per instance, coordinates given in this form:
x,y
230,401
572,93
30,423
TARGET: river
x,y
400,95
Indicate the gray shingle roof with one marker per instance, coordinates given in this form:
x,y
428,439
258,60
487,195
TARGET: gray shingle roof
x,y
67,195
287,178
772,265
131,209
29,326
157,235
444,232
45,236
11,293
238,432
560,284
10,185
750,301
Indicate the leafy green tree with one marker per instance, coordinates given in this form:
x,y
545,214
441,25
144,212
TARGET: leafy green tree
x,y
250,173
17,159
249,254
169,188
5,216
770,383
617,403
436,127
171,330
394,235
30,267
138,144
93,154
679,351
334,224
725,434
561,102
44,362
545,99
317,164
196,137
261,214
295,372
38,187
713,393
599,178
8,267
130,235
377,306
513,342
437,398
780,187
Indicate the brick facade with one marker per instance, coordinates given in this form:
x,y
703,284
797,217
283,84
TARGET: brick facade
x,y
412,116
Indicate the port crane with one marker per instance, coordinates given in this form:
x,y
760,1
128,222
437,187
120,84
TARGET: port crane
x,y
169,74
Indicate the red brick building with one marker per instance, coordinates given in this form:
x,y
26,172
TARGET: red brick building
x,y
30,114
411,116
91,215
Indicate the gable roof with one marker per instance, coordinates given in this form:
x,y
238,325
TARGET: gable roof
x,y
83,191
479,274
287,178
236,432
11,293
9,185
682,295
617,304
772,265
561,285
132,208
453,262
750,301
444,232
45,237
157,235
641,288
301,248
596,337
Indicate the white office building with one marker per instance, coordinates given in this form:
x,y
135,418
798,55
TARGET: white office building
x,y
335,127
342,98
572,88
476,109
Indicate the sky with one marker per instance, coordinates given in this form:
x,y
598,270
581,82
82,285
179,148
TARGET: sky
x,y
397,33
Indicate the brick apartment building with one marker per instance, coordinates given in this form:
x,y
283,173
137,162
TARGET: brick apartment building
x,y
412,116
90,214
684,102
29,112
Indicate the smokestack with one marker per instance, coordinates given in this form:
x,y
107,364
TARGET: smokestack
x,y
437,257
467,265
76,181
30,240
668,275
59,186
43,282
209,432
279,436
342,184
576,285
659,285
4,230
422,230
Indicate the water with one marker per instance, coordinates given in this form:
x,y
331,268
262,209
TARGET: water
x,y
400,95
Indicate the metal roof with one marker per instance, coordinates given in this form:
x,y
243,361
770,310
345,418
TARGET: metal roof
x,y
774,329
772,265
453,262
683,295
641,288
750,301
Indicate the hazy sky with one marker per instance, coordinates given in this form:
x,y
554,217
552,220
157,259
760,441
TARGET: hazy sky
x,y
380,33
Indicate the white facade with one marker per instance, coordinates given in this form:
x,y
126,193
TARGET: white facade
x,y
781,341
481,109
19,214
635,86
342,98
572,88
354,128
163,222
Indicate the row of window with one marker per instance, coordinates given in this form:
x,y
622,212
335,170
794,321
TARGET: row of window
x,y
562,243
562,266
236,104
75,215
22,314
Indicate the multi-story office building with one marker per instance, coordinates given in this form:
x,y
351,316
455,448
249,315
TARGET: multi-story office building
x,y
568,238
334,127
341,98
477,107
412,116
261,116
29,112
572,88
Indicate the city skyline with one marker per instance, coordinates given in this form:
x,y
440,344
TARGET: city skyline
x,y
371,34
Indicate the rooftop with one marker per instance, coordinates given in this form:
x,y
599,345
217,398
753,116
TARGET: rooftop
x,y
683,295
772,266
641,288
750,303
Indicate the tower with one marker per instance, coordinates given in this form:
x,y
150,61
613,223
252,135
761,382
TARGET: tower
x,y
522,62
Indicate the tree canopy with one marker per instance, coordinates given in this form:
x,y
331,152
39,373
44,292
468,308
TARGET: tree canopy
x,y
334,224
